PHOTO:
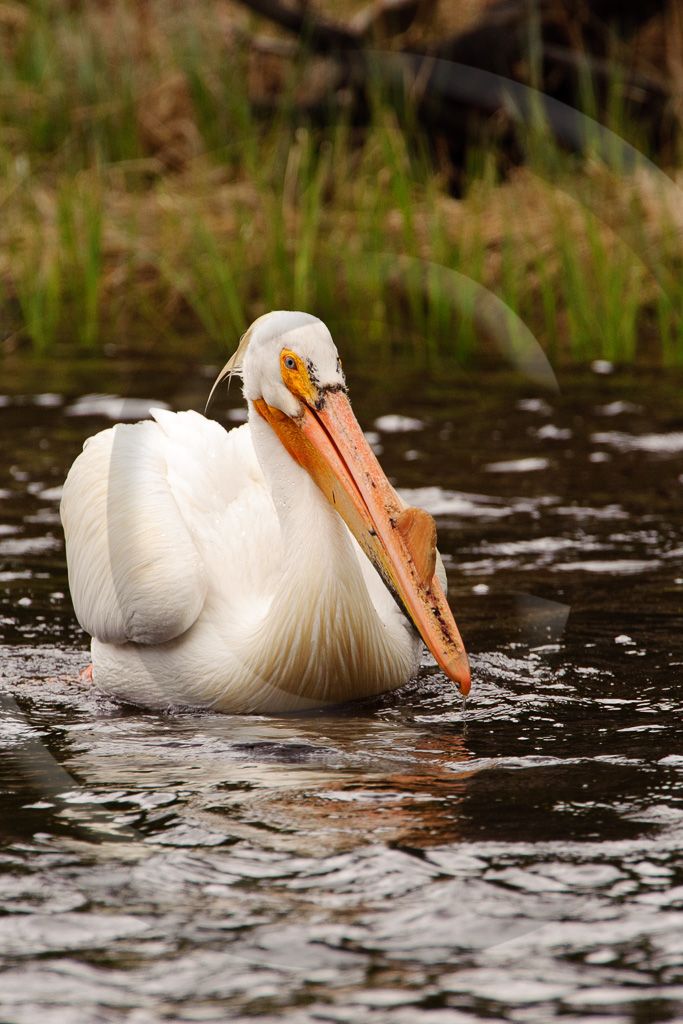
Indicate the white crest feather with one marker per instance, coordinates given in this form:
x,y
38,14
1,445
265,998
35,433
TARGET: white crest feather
x,y
233,367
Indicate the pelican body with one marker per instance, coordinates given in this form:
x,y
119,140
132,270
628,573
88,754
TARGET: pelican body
x,y
270,568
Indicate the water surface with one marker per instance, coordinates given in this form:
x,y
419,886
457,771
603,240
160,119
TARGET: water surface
x,y
408,859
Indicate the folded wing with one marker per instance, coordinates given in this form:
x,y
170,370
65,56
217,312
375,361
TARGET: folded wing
x,y
132,509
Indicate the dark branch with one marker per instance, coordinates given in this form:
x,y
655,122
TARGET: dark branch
x,y
321,35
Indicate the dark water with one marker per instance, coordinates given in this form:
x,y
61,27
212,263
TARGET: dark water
x,y
405,860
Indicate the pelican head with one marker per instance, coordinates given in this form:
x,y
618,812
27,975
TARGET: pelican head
x,y
293,379
291,359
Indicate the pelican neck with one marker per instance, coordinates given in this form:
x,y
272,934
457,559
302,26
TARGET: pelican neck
x,y
303,511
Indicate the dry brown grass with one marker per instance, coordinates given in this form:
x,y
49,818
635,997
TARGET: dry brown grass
x,y
137,182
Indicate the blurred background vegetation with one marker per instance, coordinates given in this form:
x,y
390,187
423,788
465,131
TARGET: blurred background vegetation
x,y
171,170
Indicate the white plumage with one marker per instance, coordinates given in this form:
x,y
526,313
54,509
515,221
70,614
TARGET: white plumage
x,y
211,569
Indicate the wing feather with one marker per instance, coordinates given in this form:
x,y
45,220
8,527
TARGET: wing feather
x,y
129,507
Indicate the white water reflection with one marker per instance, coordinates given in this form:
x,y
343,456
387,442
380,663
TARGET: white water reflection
x,y
610,567
531,465
668,444
439,502
393,423
113,408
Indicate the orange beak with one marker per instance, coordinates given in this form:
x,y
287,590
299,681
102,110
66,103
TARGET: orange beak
x,y
400,541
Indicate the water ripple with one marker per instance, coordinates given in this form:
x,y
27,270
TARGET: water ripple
x,y
411,859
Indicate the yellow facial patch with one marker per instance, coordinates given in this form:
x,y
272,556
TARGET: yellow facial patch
x,y
294,442
296,378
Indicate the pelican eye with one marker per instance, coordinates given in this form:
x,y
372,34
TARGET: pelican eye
x,y
290,362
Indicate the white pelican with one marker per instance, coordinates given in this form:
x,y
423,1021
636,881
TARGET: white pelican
x,y
267,569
